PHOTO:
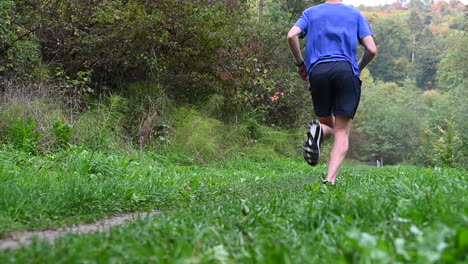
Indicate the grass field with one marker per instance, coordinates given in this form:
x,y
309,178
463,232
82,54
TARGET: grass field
x,y
237,211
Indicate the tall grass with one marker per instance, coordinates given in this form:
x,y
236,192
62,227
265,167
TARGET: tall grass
x,y
147,120
76,185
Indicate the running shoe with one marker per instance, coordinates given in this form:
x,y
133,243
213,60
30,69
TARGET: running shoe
x,y
311,150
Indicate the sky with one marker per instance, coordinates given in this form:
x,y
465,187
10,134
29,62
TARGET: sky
x,y
377,2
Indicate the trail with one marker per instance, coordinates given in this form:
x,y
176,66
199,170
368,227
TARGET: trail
x,y
25,238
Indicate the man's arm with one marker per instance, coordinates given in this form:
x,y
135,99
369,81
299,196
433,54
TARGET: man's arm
x,y
369,51
293,41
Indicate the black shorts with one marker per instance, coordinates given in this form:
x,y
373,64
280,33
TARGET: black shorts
x,y
334,88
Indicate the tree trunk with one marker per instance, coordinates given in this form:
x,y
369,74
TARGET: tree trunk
x,y
261,5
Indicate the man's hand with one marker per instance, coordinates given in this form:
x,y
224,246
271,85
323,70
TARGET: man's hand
x,y
293,41
369,51
303,72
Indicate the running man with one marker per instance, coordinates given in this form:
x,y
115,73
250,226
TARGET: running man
x,y
333,31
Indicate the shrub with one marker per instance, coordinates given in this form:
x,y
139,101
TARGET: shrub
x,y
32,101
443,147
214,105
63,132
206,139
197,136
103,126
23,135
284,143
253,129
148,107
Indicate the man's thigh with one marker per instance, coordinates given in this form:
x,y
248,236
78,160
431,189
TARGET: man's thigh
x,y
321,90
346,91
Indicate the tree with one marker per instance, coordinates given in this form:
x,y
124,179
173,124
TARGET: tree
x,y
416,26
427,60
393,40
453,80
417,5
20,57
390,120
452,73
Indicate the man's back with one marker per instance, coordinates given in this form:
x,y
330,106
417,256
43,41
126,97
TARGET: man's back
x,y
333,32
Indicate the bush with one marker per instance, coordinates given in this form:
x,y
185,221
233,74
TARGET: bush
x,y
444,147
63,132
197,136
42,113
103,126
23,135
206,139
148,108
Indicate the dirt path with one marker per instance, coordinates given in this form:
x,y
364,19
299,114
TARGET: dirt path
x,y
25,238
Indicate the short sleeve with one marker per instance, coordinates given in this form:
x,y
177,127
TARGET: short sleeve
x,y
364,29
303,24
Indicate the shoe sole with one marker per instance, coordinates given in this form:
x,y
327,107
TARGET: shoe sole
x,y
311,150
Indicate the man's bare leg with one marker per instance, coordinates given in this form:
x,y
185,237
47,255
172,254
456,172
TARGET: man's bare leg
x,y
341,128
328,124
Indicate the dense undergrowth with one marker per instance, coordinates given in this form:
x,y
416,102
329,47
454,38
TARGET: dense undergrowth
x,y
40,124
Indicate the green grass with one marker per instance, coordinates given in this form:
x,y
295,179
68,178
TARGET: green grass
x,y
77,185
237,211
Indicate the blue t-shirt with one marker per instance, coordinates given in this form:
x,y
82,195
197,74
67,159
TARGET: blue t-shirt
x,y
333,34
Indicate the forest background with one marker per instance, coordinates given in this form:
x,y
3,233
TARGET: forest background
x,y
209,79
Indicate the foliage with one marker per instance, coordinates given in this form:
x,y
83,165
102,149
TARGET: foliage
x,y
451,72
203,139
149,106
23,135
253,70
123,41
53,122
74,91
446,150
417,5
412,42
427,51
392,37
442,142
102,127
253,129
77,34
63,132
197,136
390,117
20,55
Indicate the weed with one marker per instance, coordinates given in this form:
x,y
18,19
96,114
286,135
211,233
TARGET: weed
x,y
23,135
63,132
